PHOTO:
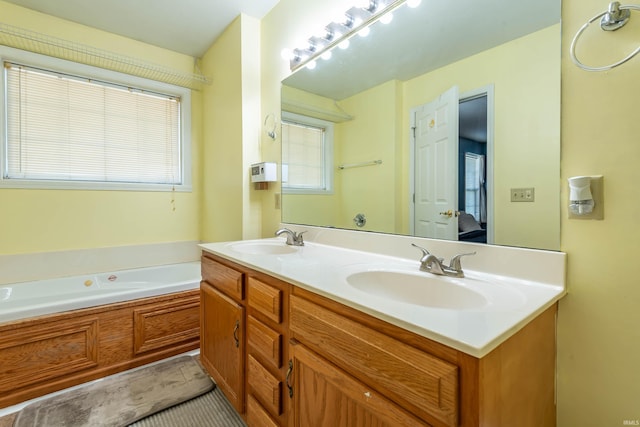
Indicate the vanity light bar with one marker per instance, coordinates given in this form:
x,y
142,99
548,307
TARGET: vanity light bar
x,y
355,19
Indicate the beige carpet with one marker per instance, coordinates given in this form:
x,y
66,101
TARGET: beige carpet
x,y
121,399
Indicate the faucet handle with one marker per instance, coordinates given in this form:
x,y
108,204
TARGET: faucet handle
x,y
455,261
297,238
424,251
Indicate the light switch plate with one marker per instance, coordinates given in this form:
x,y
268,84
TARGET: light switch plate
x,y
523,194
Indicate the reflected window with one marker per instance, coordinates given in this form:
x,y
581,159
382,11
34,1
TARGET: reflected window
x,y
307,147
475,195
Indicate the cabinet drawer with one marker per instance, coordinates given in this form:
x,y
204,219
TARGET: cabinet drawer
x,y
264,341
266,387
224,278
257,416
423,382
265,299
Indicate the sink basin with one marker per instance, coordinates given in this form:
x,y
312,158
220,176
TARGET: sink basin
x,y
263,248
419,289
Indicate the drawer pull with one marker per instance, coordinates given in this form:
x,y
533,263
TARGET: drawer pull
x,y
289,371
235,333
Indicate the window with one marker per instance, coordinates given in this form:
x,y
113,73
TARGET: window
x,y
307,155
73,126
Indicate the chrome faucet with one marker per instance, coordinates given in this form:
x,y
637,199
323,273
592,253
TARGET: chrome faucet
x,y
293,238
432,264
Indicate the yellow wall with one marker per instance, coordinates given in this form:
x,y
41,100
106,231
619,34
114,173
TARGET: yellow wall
x,y
231,126
50,220
371,135
526,133
599,321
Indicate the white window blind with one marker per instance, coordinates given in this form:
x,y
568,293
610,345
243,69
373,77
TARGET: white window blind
x,y
68,128
303,154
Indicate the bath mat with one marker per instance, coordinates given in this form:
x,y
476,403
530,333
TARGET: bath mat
x,y
212,409
121,399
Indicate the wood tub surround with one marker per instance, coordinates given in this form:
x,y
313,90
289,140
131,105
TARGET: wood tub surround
x,y
305,360
48,353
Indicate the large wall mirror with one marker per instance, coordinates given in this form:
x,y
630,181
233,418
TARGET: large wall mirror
x,y
443,123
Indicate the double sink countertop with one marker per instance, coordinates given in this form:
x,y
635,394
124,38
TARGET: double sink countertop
x,y
474,314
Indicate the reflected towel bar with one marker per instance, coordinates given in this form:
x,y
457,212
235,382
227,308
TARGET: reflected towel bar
x,y
357,165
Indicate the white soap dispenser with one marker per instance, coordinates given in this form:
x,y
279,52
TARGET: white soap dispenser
x,y
580,198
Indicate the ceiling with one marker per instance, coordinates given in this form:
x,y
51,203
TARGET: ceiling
x,y
185,26
424,39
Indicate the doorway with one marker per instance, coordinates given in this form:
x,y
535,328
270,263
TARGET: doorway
x,y
466,170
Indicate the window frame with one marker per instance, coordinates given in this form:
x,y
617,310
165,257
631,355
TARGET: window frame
x,y
328,152
64,66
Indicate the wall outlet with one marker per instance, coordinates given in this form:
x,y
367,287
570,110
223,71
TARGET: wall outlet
x,y
523,194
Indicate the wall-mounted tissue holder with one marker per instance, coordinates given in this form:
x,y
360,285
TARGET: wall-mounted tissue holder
x,y
586,197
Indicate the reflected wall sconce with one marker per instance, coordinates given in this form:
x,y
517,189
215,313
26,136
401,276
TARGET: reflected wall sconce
x,y
355,20
270,124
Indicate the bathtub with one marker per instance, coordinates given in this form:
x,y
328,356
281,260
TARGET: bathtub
x,y
29,299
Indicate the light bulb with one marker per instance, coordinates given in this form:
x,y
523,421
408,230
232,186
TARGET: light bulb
x,y
413,3
386,18
326,55
364,32
343,44
311,65
362,4
287,54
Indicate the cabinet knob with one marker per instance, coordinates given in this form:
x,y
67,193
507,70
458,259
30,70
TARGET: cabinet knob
x,y
367,394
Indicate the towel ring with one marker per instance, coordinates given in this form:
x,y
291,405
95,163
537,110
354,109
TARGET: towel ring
x,y
612,19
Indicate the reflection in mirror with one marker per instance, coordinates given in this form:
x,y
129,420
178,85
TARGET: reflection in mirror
x,y
426,127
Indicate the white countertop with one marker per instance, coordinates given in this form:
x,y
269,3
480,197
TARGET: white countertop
x,y
322,269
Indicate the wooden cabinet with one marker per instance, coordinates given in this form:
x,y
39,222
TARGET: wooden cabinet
x,y
423,383
222,343
327,396
512,385
222,346
244,324
266,336
310,361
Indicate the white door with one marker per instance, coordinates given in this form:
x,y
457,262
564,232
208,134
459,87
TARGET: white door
x,y
435,173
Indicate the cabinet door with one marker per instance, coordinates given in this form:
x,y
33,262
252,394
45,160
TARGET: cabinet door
x,y
222,343
324,395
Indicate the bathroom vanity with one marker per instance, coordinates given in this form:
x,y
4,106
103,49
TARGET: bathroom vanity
x,y
288,351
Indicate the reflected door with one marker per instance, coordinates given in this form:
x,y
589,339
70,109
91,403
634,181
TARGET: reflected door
x,y
435,171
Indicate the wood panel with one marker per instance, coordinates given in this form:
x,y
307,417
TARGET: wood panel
x,y
167,324
266,387
427,383
264,341
325,396
266,299
226,279
222,343
41,353
108,344
517,380
257,416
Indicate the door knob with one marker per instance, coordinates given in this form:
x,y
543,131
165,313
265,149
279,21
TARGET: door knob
x,y
450,213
